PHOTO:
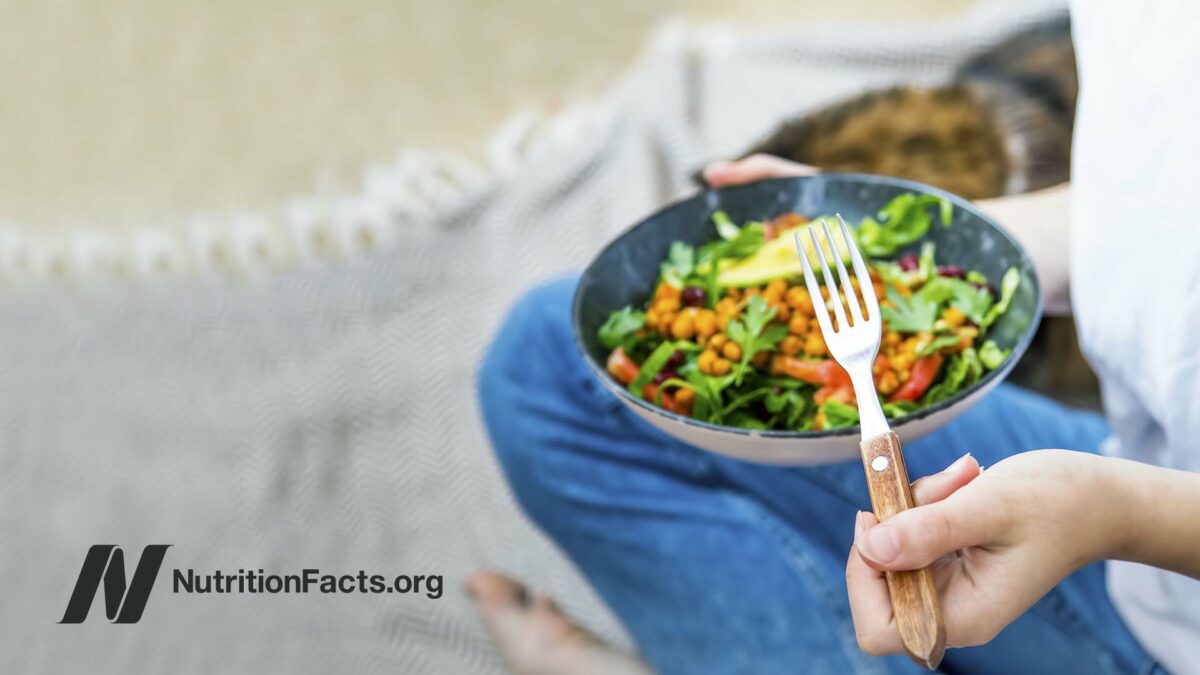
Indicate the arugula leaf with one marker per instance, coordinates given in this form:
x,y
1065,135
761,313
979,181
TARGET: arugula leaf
x,y
735,242
974,365
655,362
914,314
838,415
790,404
620,326
747,421
1008,288
747,240
938,343
752,333
899,408
955,375
991,356
725,227
967,298
707,405
679,265
901,222
926,266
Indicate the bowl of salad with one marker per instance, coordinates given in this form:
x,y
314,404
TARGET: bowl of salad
x,y
698,318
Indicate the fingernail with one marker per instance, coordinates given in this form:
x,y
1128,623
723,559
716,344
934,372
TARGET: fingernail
x,y
858,523
958,463
880,544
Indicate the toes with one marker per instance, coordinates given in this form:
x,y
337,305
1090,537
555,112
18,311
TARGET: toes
x,y
492,588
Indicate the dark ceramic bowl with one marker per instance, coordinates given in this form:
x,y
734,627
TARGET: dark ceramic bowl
x,y
627,269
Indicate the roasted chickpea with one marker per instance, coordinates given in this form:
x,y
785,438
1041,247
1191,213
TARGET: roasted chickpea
x,y
706,322
727,307
814,344
717,341
887,383
732,351
684,327
666,291
791,345
953,317
721,367
667,304
706,360
685,397
798,325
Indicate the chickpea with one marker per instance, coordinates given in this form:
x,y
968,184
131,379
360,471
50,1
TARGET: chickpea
x,y
891,338
727,307
721,367
900,362
685,397
723,321
717,341
887,383
783,313
706,323
814,344
773,293
953,317
880,290
665,321
798,325
666,290
706,360
732,351
791,345
652,317
794,295
667,304
684,327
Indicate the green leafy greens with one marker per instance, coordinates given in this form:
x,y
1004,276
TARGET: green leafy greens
x,y
901,222
619,328
752,333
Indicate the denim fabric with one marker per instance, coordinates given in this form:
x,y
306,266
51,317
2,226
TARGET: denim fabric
x,y
721,566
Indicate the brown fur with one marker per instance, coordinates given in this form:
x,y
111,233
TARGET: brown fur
x,y
1003,125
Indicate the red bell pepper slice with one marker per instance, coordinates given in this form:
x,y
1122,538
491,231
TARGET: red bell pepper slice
x,y
621,367
823,372
920,377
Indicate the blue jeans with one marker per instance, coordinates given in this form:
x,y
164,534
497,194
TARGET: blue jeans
x,y
716,565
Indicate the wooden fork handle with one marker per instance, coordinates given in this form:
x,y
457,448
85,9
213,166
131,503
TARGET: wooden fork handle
x,y
915,602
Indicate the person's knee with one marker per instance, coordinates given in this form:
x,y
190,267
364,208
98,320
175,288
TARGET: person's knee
x,y
527,379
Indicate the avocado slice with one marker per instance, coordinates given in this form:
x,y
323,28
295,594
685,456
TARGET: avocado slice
x,y
778,258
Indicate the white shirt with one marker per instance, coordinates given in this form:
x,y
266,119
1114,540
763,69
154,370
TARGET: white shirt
x,y
1135,268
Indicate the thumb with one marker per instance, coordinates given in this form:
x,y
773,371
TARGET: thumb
x,y
915,538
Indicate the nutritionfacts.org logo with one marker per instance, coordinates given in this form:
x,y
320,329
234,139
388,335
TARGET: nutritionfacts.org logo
x,y
125,598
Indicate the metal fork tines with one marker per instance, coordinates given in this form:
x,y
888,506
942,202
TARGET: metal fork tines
x,y
855,343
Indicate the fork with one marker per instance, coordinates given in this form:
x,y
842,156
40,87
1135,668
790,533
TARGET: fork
x,y
854,345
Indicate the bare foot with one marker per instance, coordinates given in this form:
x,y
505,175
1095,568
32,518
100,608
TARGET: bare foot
x,y
536,638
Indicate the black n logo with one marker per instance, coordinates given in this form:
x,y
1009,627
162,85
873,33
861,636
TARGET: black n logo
x,y
122,604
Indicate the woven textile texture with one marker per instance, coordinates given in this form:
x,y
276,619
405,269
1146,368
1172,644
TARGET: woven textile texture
x,y
323,415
